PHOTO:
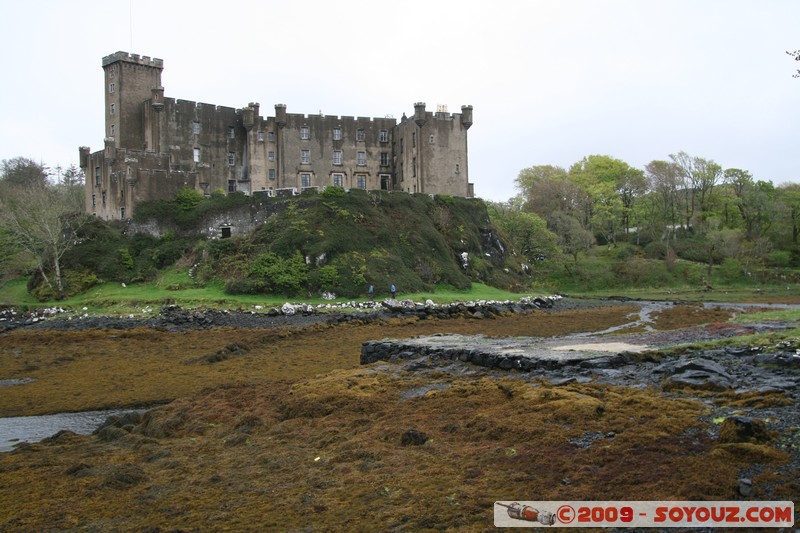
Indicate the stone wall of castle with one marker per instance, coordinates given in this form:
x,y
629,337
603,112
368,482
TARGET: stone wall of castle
x,y
154,146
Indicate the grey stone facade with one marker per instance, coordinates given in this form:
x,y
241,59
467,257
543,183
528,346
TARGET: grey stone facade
x,y
156,145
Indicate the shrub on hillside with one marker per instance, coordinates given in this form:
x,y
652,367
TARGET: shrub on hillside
x,y
640,272
278,274
656,250
730,270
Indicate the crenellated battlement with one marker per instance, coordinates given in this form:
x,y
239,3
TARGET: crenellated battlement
x,y
343,118
155,144
133,58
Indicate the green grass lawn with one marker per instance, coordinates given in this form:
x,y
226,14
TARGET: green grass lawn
x,y
175,286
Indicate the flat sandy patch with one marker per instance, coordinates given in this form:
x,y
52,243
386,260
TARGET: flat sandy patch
x,y
605,347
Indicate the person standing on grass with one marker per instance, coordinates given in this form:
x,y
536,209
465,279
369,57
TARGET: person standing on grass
x,y
394,291
371,292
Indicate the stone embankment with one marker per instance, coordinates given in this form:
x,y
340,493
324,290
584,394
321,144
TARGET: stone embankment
x,y
176,318
739,369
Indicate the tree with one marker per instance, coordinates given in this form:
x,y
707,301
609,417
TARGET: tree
x,y
72,175
755,201
24,172
547,189
188,199
572,236
663,179
699,178
527,233
612,186
43,222
788,197
796,56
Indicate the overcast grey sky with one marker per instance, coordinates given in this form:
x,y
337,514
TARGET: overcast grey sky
x,y
550,81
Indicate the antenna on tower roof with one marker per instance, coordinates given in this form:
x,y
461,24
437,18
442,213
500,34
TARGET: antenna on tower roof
x,y
130,21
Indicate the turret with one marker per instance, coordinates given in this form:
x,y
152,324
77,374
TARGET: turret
x,y
419,113
280,115
466,116
157,98
84,157
249,115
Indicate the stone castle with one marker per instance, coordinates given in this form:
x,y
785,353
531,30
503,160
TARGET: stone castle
x,y
155,146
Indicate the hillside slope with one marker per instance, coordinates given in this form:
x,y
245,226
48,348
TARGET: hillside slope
x,y
333,242
343,242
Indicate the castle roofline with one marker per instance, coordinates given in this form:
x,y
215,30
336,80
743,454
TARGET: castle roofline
x,y
133,58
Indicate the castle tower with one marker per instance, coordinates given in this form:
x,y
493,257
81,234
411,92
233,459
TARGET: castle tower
x,y
130,80
432,154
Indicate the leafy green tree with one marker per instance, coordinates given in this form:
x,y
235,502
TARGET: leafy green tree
x,y
755,201
664,181
23,172
546,189
720,242
788,197
43,221
699,176
572,236
187,199
612,187
527,233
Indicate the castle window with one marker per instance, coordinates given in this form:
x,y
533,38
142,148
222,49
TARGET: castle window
x,y
271,136
360,134
231,132
271,155
196,128
305,133
337,157
94,200
111,88
113,108
271,173
385,181
401,145
337,134
97,176
430,140
196,155
361,181
414,167
122,213
261,136
231,185
231,158
458,169
305,180
104,198
338,180
413,139
113,130
383,136
384,159
305,157
361,158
